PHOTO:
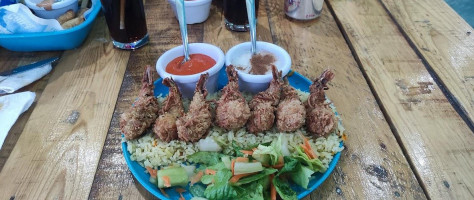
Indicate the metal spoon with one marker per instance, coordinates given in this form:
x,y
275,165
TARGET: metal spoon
x,y
182,27
252,23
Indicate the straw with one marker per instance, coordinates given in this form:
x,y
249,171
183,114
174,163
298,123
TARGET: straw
x,y
122,14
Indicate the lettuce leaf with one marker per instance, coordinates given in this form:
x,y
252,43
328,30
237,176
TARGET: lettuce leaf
x,y
256,177
313,164
221,189
283,189
267,155
206,158
251,192
301,176
197,190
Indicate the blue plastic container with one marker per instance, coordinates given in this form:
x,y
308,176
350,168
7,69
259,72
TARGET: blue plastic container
x,y
51,41
7,2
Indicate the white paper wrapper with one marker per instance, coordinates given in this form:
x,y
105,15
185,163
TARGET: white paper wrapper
x,y
17,18
11,107
16,81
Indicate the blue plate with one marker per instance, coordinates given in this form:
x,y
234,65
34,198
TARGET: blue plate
x,y
51,41
296,80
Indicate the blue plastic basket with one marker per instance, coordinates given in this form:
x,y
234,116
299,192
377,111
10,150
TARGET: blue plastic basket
x,y
51,41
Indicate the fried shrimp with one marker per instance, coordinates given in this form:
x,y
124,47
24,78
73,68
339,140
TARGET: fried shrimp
x,y
232,110
320,120
195,124
141,115
263,105
290,112
172,108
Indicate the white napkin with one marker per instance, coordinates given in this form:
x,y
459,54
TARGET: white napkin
x,y
16,81
11,107
17,18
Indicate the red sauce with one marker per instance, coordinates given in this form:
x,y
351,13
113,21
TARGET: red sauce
x,y
198,63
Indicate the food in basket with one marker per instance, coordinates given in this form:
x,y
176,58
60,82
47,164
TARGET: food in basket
x,y
320,119
236,164
263,105
70,19
291,112
172,108
197,121
232,110
143,113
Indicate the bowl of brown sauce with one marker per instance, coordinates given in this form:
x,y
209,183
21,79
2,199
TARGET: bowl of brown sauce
x,y
205,58
254,70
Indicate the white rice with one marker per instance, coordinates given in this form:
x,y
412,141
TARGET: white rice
x,y
152,152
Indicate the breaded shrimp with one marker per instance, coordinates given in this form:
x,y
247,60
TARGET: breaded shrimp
x,y
232,110
172,108
290,112
320,119
141,115
263,105
195,124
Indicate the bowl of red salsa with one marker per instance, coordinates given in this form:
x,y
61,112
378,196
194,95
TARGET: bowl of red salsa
x,y
205,58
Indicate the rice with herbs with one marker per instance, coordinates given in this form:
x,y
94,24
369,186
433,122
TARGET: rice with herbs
x,y
152,152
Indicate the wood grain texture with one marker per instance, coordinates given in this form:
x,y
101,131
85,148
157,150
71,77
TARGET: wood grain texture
x,y
57,154
113,179
437,140
372,165
444,40
10,60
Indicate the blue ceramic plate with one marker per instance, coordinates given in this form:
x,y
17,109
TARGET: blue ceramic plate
x,y
51,41
296,80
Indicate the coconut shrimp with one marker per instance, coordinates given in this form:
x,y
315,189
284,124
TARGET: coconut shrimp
x,y
143,113
263,105
172,108
232,110
290,112
320,119
195,124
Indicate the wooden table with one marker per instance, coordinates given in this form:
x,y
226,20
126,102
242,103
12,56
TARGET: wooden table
x,y
404,86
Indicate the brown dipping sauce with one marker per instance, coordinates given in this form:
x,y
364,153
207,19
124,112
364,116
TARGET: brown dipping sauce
x,y
260,64
197,63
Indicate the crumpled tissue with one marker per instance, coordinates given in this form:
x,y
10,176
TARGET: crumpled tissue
x,y
9,84
17,18
11,107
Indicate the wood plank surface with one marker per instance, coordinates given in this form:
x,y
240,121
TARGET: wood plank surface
x,y
444,40
372,166
10,60
113,179
437,140
57,154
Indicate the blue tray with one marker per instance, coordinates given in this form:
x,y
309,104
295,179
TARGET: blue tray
x,y
296,80
51,41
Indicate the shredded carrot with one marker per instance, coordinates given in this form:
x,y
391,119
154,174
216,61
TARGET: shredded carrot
x,y
254,149
181,191
210,172
164,193
155,143
241,159
308,151
344,137
280,163
167,181
247,152
273,193
152,171
232,166
236,178
196,178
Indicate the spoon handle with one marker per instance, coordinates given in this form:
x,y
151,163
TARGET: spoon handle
x,y
252,23
182,26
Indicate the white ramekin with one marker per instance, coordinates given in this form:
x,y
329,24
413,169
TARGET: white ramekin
x,y
58,8
197,11
187,83
256,83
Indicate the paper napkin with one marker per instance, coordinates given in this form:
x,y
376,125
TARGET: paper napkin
x,y
11,107
16,81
